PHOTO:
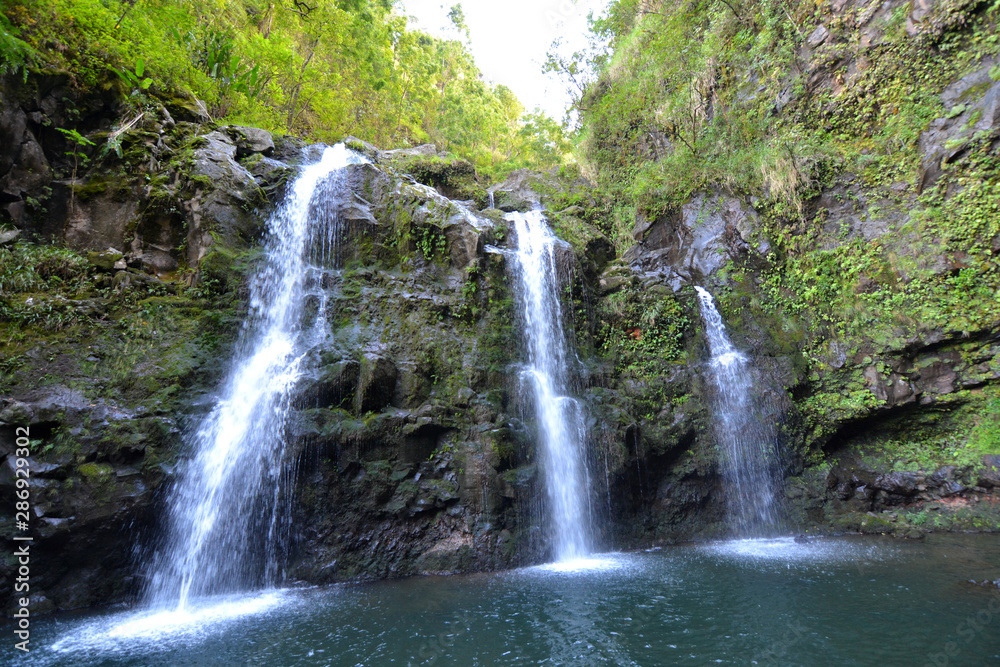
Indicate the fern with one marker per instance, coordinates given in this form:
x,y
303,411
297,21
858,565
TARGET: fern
x,y
15,54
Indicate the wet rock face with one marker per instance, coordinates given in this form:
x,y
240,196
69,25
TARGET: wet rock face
x,y
402,218
89,496
989,475
520,192
853,486
696,241
376,383
220,206
973,108
333,386
24,169
100,221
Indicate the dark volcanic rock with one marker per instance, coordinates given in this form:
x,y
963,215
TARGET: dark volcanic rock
x,y
376,384
697,240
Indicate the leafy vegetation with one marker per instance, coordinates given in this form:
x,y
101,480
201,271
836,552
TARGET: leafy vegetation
x,y
701,94
15,54
817,118
320,70
57,311
640,331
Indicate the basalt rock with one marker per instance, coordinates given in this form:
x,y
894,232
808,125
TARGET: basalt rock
x,y
376,384
989,475
694,242
973,111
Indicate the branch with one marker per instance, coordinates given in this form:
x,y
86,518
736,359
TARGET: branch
x,y
302,8
739,17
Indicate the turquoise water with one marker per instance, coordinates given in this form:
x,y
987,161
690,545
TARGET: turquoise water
x,y
838,601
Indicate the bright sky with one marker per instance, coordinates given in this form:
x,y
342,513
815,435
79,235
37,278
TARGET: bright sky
x,y
510,39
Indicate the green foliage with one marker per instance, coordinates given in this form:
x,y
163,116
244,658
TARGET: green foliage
x,y
26,268
79,141
133,79
685,100
319,70
37,283
700,95
985,435
431,242
16,55
468,309
640,330
959,433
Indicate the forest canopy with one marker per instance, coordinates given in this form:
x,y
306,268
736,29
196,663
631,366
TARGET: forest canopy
x,y
318,69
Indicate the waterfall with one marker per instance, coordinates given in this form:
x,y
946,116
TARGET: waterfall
x,y
228,511
746,438
560,418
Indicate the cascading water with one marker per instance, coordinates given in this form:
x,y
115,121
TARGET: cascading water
x,y
227,514
561,423
746,438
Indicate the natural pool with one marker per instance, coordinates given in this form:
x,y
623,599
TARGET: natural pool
x,y
833,601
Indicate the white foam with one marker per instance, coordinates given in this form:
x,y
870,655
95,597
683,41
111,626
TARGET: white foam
x,y
586,564
128,630
792,549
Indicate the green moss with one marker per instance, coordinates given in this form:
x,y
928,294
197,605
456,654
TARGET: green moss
x,y
96,186
96,472
455,177
639,330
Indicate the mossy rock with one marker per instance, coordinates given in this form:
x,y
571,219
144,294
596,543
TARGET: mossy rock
x,y
104,260
593,249
96,472
453,177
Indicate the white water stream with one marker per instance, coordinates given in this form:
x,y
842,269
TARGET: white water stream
x,y
560,418
747,441
227,512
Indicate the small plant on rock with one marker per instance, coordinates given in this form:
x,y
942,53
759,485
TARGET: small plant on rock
x,y
79,143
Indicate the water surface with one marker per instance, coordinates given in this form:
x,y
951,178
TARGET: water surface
x,y
843,601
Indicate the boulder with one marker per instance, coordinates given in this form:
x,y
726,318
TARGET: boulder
x,y
520,192
463,240
9,236
16,412
157,260
220,208
817,37
250,140
900,483
376,384
989,474
104,260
